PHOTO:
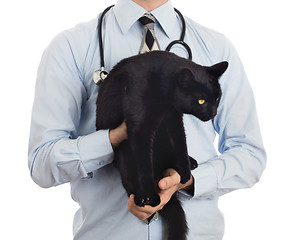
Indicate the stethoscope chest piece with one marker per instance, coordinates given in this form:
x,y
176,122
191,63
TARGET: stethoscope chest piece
x,y
99,76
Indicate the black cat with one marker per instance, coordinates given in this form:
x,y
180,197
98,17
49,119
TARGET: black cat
x,y
150,92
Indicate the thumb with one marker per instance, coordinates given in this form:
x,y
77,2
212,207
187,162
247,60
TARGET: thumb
x,y
172,179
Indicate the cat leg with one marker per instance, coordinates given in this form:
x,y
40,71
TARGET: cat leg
x,y
141,132
125,163
174,125
193,163
109,111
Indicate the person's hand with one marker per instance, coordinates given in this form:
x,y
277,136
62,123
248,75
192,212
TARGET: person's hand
x,y
118,135
168,185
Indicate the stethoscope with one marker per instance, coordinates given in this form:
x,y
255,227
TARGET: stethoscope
x,y
100,75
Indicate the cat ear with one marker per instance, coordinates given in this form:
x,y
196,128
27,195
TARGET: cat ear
x,y
218,69
185,77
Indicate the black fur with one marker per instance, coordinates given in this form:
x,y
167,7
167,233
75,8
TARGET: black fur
x,y
151,92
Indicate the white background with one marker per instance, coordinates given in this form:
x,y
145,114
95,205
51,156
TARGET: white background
x,y
261,30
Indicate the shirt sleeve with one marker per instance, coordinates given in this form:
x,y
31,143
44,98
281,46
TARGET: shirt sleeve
x,y
56,153
243,158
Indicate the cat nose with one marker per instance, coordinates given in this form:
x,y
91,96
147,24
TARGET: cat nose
x,y
213,115
214,112
205,118
208,116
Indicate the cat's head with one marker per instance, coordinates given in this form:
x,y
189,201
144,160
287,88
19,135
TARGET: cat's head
x,y
198,90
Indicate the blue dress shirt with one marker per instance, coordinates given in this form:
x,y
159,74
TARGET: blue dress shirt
x,y
64,146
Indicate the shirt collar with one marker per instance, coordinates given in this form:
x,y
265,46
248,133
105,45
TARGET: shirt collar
x,y
127,13
167,18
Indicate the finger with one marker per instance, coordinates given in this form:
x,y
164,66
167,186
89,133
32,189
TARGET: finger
x,y
169,181
147,209
140,212
140,215
133,209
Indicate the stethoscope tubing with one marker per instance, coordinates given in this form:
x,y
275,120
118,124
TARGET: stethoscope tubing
x,y
100,75
102,58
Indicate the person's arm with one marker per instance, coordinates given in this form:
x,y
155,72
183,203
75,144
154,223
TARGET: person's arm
x,y
118,135
57,154
243,157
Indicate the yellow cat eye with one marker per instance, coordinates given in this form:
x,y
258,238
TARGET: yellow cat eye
x,y
201,101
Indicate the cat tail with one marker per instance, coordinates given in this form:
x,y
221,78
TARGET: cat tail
x,y
174,220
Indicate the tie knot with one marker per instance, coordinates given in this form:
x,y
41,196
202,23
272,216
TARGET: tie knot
x,y
147,19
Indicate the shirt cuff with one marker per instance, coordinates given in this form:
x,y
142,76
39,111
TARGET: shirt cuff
x,y
95,151
188,194
206,180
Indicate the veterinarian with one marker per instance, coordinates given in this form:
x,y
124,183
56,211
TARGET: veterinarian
x,y
64,146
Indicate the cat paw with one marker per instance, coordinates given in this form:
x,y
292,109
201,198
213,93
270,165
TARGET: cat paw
x,y
193,163
184,176
142,198
185,179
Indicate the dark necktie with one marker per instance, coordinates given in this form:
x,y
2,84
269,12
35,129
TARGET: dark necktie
x,y
149,41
